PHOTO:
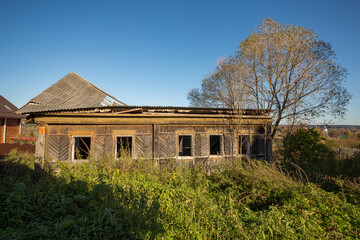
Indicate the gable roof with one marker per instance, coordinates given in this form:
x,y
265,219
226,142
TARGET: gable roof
x,y
7,109
70,92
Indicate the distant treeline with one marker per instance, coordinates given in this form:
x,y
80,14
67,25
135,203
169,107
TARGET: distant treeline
x,y
331,126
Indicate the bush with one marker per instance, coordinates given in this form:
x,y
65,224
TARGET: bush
x,y
307,149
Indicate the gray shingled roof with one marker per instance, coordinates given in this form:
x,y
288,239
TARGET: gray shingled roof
x,y
70,92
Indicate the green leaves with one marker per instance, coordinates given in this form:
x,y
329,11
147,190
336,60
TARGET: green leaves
x,y
308,150
239,200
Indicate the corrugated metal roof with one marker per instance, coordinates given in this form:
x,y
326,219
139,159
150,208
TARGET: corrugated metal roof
x,y
163,109
70,92
7,109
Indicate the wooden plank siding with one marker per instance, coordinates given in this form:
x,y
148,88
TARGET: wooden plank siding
x,y
153,135
143,145
104,145
156,140
58,147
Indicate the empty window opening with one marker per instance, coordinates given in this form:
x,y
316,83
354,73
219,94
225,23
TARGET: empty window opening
x,y
215,144
185,146
258,145
82,146
244,144
123,146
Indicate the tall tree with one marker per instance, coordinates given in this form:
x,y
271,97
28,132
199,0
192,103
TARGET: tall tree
x,y
282,68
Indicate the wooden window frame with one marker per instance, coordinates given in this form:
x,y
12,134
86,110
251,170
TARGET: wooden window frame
x,y
132,144
73,146
221,145
249,145
192,145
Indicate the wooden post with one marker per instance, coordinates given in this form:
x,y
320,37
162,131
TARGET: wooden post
x,y
156,141
4,131
40,147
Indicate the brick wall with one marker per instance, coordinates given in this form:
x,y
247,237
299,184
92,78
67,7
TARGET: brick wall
x,y
5,148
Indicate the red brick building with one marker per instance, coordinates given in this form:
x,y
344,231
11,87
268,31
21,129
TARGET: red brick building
x,y
10,123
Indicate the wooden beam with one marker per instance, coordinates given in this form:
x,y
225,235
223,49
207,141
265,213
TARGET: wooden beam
x,y
131,110
134,119
156,141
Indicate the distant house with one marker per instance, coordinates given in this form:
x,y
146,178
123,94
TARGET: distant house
x,y
77,119
10,123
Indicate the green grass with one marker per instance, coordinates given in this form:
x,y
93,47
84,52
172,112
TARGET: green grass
x,y
108,199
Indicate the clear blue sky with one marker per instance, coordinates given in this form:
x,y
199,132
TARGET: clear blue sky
x,y
153,52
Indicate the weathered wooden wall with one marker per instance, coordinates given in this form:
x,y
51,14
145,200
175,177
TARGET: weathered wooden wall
x,y
59,139
154,135
156,140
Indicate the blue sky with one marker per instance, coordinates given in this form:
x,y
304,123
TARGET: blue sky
x,y
153,52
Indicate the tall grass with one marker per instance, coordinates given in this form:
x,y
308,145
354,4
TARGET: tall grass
x,y
141,199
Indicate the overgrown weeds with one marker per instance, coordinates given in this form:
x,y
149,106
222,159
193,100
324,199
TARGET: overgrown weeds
x,y
141,199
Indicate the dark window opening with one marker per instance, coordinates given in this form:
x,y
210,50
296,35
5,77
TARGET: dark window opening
x,y
82,146
123,146
185,146
215,144
244,144
258,145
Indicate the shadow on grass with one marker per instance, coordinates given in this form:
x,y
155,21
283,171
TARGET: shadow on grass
x,y
39,205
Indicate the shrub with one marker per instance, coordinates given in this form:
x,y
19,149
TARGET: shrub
x,y
307,149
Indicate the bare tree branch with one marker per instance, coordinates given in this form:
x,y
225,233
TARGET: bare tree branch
x,y
282,68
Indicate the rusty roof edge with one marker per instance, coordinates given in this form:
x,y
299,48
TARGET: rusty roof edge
x,y
111,115
74,110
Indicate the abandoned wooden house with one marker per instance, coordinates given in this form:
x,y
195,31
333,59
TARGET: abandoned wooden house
x,y
76,119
